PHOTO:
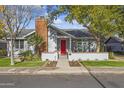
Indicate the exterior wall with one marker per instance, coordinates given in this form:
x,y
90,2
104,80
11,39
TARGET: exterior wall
x,y
52,41
42,30
26,46
87,56
17,51
3,45
115,47
53,56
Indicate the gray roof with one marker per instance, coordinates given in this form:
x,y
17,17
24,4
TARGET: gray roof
x,y
25,32
113,40
78,33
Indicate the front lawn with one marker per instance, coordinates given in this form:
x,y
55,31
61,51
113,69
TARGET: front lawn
x,y
5,62
104,63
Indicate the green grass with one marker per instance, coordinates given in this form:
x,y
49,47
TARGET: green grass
x,y
104,63
5,62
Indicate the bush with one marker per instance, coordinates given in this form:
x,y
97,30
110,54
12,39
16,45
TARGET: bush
x,y
3,52
119,53
36,57
26,55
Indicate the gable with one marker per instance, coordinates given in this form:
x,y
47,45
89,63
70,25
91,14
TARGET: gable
x,y
25,32
60,32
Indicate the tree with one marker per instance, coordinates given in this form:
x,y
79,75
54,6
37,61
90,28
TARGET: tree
x,y
1,24
101,21
120,32
16,19
2,33
52,13
36,41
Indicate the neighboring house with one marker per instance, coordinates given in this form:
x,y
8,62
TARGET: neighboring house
x,y
3,44
3,48
21,42
115,44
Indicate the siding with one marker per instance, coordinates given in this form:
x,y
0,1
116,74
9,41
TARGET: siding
x,y
52,41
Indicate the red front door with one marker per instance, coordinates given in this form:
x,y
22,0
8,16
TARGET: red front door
x,y
63,46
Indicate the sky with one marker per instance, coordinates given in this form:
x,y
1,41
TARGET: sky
x,y
59,22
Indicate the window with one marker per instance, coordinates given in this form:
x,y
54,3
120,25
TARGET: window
x,y
79,46
84,47
21,44
17,44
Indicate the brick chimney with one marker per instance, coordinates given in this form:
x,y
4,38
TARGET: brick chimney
x,y
42,30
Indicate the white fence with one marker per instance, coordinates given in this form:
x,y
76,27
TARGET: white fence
x,y
87,56
49,56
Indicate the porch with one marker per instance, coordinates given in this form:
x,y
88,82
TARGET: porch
x,y
67,45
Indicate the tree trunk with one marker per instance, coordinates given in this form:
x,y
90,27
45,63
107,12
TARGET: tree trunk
x,y
102,46
12,52
98,45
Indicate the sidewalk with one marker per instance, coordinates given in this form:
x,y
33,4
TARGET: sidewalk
x,y
55,71
108,70
43,71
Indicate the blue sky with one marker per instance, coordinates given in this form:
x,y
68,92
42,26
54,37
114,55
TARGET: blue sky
x,y
59,22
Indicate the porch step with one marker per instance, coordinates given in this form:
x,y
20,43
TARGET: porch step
x,y
63,57
63,62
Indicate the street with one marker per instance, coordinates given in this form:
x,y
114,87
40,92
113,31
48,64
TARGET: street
x,y
61,81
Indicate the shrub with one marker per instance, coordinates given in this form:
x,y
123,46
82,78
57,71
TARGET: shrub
x,y
119,53
3,52
26,55
36,57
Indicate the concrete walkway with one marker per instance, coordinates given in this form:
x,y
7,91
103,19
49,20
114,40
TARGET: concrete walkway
x,y
63,62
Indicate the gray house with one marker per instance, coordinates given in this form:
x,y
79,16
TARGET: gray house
x,y
21,42
64,40
115,44
74,40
